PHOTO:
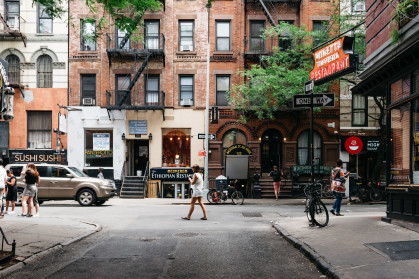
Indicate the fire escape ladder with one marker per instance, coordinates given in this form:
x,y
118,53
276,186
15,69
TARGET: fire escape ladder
x,y
267,13
13,33
134,80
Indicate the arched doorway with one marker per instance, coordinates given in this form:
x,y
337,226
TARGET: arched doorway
x,y
271,147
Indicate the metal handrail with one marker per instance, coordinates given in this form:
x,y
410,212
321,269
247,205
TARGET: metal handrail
x,y
13,244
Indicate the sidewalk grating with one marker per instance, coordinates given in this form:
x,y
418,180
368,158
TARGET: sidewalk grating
x,y
252,214
397,251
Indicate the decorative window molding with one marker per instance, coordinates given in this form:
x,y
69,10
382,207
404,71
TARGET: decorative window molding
x,y
43,50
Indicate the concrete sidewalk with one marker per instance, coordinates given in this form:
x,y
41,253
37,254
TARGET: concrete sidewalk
x,y
37,236
347,247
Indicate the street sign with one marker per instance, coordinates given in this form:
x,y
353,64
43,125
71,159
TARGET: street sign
x,y
319,100
309,86
353,145
210,136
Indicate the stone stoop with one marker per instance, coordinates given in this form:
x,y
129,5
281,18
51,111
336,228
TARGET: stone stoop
x,y
267,188
132,187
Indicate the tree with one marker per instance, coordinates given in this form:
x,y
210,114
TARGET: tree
x,y
126,14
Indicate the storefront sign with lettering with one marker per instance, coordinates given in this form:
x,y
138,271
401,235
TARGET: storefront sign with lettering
x,y
239,149
307,169
38,156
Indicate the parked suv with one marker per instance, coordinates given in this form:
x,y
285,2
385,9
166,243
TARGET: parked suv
x,y
59,182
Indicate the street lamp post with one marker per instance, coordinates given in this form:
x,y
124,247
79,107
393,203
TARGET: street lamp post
x,y
206,186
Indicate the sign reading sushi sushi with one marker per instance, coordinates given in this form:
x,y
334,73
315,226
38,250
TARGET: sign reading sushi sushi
x,y
353,145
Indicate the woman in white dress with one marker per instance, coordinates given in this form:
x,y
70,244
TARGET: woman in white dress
x,y
197,192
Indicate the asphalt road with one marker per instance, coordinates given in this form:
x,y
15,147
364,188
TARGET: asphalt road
x,y
148,239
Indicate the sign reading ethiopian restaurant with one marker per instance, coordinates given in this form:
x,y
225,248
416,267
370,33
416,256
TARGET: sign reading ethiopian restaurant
x,y
334,60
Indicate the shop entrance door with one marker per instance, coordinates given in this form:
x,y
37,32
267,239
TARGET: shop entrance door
x,y
271,150
140,157
177,190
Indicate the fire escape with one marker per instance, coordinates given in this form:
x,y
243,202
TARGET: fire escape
x,y
140,50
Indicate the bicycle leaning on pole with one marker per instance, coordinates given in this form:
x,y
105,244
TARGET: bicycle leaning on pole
x,y
315,209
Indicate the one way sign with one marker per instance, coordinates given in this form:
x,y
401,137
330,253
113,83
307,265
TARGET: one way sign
x,y
319,100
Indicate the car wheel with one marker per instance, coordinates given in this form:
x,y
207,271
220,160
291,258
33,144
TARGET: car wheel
x,y
19,197
86,197
100,202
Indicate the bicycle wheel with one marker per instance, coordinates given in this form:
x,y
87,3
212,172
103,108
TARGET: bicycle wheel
x,y
213,197
237,197
376,195
319,213
327,192
307,210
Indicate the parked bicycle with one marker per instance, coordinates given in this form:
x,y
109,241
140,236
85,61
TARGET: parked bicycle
x,y
216,196
315,209
377,192
326,190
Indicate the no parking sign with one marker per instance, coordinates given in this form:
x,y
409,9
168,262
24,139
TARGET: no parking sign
x,y
353,145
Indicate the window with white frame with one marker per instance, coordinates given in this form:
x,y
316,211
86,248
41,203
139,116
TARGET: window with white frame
x,y
44,21
186,35
88,35
222,40
39,129
186,90
152,90
303,144
12,14
359,110
44,69
222,87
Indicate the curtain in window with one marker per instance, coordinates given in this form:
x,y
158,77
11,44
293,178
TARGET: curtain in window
x,y
303,149
186,88
44,71
39,129
152,94
358,103
152,35
14,68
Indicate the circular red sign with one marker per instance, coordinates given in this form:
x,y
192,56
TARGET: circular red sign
x,y
353,145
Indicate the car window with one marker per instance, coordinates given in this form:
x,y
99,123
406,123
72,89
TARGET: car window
x,y
78,172
43,171
17,170
59,172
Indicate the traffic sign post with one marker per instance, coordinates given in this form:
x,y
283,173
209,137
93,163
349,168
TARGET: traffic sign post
x,y
319,100
210,136
309,86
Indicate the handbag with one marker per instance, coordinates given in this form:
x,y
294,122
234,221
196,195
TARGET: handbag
x,y
338,184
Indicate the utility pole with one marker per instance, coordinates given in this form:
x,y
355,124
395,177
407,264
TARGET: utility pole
x,y
206,186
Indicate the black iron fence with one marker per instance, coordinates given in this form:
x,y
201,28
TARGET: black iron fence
x,y
136,98
137,41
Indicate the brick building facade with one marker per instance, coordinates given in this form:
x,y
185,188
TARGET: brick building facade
x,y
165,109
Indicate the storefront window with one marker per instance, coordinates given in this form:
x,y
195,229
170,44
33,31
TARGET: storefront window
x,y
98,148
415,129
400,141
400,89
176,148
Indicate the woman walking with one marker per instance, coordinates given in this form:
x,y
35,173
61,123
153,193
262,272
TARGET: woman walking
x,y
277,180
11,191
31,178
338,187
198,191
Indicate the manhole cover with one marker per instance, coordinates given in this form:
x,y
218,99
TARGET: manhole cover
x,y
252,214
397,251
186,234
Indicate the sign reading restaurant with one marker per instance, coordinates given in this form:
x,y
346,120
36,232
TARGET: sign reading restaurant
x,y
172,174
334,60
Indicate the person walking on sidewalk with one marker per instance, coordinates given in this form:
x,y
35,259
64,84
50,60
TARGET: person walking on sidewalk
x,y
277,180
31,178
338,178
197,192
11,195
100,174
3,179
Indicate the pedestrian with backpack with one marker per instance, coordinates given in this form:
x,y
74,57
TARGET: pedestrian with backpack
x,y
338,178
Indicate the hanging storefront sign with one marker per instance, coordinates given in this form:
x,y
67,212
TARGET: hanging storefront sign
x,y
101,141
334,60
4,68
372,145
37,156
171,174
239,149
353,145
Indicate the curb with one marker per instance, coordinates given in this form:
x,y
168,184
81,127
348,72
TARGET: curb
x,y
312,255
56,247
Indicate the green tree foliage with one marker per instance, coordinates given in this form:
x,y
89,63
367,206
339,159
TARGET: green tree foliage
x,y
126,14
265,90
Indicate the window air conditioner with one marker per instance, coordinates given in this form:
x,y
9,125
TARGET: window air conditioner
x,y
186,47
88,101
359,7
186,102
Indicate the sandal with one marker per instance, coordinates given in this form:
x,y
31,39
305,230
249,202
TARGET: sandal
x,y
204,218
185,218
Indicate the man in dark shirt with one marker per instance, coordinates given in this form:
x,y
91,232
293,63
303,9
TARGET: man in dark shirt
x,y
277,180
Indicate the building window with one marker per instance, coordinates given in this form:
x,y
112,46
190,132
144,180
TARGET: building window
x,y
152,34
222,39
285,40
98,148
186,35
152,90
122,83
120,34
39,129
186,90
358,6
320,32
14,68
222,87
44,21
359,110
176,148
303,144
12,14
257,43
44,66
88,89
88,35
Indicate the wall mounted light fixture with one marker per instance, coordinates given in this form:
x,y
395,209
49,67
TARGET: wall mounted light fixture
x,y
150,136
123,136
